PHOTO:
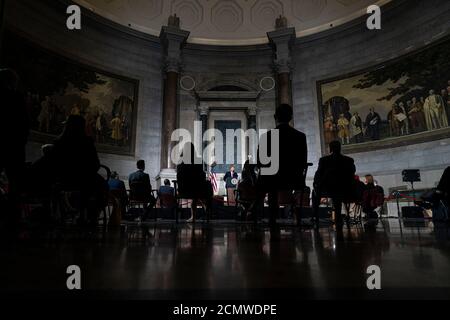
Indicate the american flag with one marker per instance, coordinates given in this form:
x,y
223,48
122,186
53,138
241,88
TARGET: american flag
x,y
213,179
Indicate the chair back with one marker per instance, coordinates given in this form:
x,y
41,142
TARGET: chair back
x,y
139,192
167,201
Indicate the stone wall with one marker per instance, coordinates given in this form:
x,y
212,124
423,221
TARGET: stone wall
x,y
99,44
406,26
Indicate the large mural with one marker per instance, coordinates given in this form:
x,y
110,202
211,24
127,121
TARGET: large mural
x,y
401,100
56,87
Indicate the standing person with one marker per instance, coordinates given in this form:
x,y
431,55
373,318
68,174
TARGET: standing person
x,y
403,119
292,156
373,122
14,129
343,129
435,115
356,128
44,115
116,125
417,116
231,178
446,99
329,129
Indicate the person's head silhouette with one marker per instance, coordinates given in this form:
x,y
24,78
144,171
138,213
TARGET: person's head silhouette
x,y
283,114
141,165
167,182
189,155
335,147
9,80
75,128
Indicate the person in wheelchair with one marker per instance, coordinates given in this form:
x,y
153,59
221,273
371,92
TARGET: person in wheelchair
x,y
334,179
192,182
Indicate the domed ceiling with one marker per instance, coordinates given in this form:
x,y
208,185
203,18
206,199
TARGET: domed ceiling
x,y
230,22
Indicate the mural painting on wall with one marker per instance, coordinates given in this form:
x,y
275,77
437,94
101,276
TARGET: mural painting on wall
x,y
402,99
56,87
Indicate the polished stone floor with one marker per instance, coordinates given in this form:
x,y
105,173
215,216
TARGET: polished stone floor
x,y
224,260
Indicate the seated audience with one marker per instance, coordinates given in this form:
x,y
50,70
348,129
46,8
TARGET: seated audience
x,y
334,179
166,188
140,187
373,198
192,183
115,183
292,161
118,191
73,165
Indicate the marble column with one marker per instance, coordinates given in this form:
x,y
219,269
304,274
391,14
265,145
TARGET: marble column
x,y
282,41
172,40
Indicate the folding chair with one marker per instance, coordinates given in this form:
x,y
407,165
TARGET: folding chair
x,y
179,197
141,196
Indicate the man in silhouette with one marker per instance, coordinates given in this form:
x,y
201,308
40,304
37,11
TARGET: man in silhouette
x,y
140,176
335,179
140,186
292,157
14,129
443,187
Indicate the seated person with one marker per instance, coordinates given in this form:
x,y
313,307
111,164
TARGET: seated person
x,y
117,188
191,179
373,198
73,164
140,186
166,188
335,179
443,188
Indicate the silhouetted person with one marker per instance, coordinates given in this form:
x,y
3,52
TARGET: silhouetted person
x,y
335,179
443,187
140,176
166,188
230,177
140,186
118,190
292,160
373,198
14,129
191,179
74,165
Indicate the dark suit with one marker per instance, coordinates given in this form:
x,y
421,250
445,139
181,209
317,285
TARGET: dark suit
x,y
444,185
335,178
141,177
293,155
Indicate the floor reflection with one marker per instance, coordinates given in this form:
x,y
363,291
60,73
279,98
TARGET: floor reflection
x,y
241,260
